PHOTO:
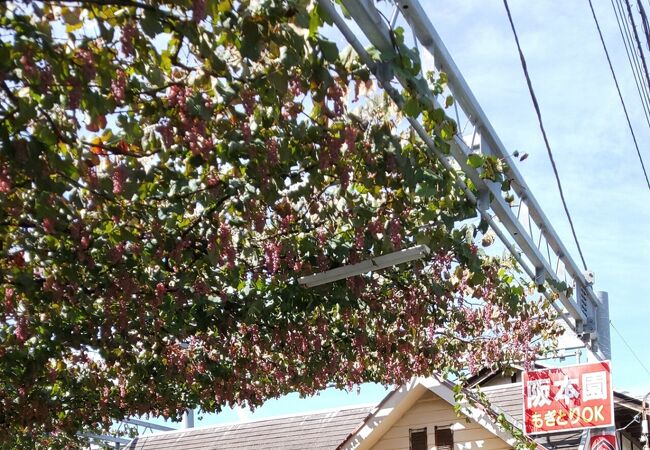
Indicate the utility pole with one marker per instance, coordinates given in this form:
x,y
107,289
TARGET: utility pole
x,y
644,423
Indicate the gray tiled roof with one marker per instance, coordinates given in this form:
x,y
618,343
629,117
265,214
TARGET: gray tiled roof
x,y
508,398
318,431
327,430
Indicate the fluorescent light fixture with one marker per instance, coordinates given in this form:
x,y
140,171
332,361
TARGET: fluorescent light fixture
x,y
369,265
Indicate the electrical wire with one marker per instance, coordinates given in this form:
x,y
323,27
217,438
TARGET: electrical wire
x,y
541,126
644,22
638,41
632,58
634,419
620,96
633,51
629,348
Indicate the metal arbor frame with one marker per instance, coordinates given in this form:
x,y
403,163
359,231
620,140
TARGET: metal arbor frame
x,y
524,229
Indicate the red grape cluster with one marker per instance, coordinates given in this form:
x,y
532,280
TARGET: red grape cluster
x,y
46,79
295,86
48,225
30,71
350,137
5,180
129,32
177,96
87,60
74,95
118,86
248,100
21,331
225,236
344,175
395,232
119,178
376,226
166,132
272,151
335,93
272,257
198,10
9,301
246,132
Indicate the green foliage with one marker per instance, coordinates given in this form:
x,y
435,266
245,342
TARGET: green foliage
x,y
168,170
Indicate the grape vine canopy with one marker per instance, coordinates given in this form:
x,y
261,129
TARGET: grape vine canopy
x,y
168,170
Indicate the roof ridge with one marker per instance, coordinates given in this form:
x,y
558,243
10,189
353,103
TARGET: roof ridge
x,y
266,419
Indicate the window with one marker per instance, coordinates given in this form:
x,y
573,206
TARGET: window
x,y
418,439
444,438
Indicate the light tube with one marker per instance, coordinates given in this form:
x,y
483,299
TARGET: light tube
x,y
369,265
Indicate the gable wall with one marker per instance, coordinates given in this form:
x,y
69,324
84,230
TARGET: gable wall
x,y
430,411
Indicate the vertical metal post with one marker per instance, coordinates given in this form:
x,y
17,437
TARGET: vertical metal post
x,y
644,423
602,326
188,418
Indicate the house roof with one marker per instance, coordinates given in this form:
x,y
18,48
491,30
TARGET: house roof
x,y
320,430
399,401
362,425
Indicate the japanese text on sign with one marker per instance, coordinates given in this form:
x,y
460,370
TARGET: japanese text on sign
x,y
568,398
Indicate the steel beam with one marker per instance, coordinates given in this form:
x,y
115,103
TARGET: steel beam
x,y
429,38
370,21
384,78
106,438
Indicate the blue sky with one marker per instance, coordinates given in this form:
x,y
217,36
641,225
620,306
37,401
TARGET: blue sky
x,y
596,159
593,148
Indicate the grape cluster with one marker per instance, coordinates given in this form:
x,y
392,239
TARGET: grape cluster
x,y
48,225
248,101
295,86
87,61
74,95
272,151
119,178
45,79
350,137
129,32
198,10
21,331
30,71
9,301
335,93
159,295
246,132
177,96
118,86
225,236
5,180
395,232
272,257
166,132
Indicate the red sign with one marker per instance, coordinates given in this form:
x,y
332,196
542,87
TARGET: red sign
x,y
568,398
605,441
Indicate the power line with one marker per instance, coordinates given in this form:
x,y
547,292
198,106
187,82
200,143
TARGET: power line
x,y
638,41
620,96
541,126
641,87
629,348
633,51
644,22
620,12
